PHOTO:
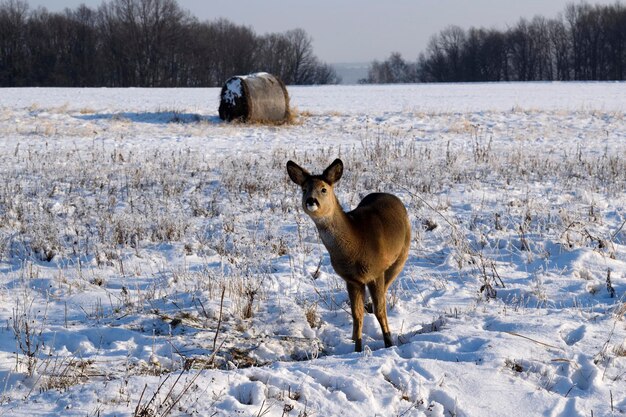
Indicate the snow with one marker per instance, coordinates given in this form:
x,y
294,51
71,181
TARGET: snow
x,y
233,91
155,260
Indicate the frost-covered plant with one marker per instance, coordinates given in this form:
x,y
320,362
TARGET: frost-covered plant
x,y
27,325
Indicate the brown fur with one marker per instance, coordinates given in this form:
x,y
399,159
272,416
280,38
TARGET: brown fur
x,y
368,246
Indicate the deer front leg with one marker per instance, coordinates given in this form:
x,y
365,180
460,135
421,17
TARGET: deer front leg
x,y
377,292
356,292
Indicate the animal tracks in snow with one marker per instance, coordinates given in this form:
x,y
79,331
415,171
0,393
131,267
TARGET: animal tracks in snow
x,y
572,336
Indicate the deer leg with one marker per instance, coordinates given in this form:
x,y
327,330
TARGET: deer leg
x,y
377,291
367,302
394,270
356,292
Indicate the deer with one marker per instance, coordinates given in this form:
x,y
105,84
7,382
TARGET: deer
x,y
368,246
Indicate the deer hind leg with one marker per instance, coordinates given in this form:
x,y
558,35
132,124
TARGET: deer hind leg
x,y
377,291
356,293
394,270
367,302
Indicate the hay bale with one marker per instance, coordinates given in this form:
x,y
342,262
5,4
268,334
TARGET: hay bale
x,y
259,97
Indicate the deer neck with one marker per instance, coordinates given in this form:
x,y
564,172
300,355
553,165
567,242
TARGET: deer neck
x,y
337,233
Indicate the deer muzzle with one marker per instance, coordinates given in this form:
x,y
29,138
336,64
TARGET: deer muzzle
x,y
312,204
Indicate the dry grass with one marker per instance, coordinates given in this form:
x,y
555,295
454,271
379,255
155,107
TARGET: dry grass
x,y
620,350
293,118
312,315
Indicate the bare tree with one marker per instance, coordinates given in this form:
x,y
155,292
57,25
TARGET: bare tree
x,y
325,74
561,49
613,26
272,54
143,43
290,56
585,43
444,62
13,52
484,57
394,70
300,59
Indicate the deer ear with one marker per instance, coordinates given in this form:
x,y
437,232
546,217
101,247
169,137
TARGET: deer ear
x,y
296,173
333,173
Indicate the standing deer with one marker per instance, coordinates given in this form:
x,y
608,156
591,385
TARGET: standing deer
x,y
368,246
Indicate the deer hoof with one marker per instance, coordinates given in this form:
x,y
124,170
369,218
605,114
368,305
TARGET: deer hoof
x,y
388,340
358,345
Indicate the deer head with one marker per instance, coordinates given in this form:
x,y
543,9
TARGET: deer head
x,y
318,196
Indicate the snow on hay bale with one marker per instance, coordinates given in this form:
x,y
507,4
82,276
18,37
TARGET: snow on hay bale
x,y
259,97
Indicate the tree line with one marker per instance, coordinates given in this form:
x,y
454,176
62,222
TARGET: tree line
x,y
585,42
144,43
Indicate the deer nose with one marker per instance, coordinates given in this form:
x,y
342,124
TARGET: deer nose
x,y
312,204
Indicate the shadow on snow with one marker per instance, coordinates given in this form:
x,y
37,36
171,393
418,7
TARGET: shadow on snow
x,y
153,117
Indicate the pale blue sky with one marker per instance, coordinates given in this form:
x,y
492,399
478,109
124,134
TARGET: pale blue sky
x,y
361,30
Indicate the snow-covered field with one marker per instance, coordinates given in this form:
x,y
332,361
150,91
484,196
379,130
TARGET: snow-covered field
x,y
155,261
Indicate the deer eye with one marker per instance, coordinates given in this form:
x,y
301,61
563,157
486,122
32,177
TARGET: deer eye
x,y
324,190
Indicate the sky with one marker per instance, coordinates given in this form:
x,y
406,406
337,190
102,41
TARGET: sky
x,y
360,31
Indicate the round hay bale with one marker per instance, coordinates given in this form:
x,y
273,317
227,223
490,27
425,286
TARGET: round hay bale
x,y
259,97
